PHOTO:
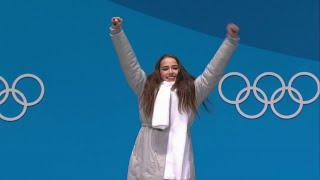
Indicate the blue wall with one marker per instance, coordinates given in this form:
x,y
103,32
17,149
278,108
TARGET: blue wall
x,y
86,124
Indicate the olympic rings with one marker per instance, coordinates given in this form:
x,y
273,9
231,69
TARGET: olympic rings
x,y
16,92
273,100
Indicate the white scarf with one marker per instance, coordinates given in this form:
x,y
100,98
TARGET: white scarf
x,y
161,109
166,113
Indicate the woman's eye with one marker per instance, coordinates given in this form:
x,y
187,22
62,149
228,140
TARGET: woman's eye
x,y
164,69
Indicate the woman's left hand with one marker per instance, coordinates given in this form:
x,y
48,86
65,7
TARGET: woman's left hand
x,y
233,30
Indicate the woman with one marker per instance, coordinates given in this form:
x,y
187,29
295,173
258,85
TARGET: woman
x,y
168,100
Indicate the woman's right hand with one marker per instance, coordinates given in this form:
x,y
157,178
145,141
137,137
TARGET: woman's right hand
x,y
116,22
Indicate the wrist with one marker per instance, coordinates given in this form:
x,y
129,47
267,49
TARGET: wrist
x,y
115,29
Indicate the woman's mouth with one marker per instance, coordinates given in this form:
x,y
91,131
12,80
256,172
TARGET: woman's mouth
x,y
171,78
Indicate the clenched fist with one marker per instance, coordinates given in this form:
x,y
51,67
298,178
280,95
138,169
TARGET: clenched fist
x,y
232,30
116,22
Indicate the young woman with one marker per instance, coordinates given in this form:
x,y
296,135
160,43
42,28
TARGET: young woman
x,y
168,100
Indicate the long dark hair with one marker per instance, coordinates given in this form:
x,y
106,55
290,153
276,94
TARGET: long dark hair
x,y
184,84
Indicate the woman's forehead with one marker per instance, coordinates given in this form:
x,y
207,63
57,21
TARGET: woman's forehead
x,y
168,61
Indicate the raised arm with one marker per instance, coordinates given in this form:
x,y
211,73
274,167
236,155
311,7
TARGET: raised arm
x,y
134,74
214,70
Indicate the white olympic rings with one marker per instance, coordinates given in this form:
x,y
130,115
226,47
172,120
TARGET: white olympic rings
x,y
14,92
273,100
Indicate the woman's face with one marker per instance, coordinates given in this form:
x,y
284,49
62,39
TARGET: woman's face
x,y
169,69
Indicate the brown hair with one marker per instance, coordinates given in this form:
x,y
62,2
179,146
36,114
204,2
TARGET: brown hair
x,y
184,85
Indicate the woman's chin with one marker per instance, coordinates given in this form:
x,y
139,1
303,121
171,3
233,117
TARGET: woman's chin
x,y
170,80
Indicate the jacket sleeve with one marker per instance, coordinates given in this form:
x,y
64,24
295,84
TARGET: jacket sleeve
x,y
135,76
205,83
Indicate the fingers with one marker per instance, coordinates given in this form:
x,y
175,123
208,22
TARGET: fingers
x,y
233,30
116,21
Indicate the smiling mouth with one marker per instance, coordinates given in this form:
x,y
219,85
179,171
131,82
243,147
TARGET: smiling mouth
x,y
171,78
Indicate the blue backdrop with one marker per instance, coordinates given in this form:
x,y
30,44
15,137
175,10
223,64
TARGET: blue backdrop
x,y
86,124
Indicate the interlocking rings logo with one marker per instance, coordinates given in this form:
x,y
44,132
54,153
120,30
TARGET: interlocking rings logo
x,y
273,100
15,91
